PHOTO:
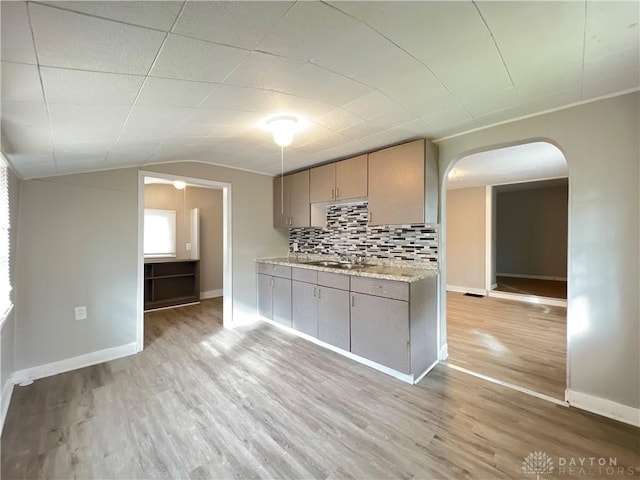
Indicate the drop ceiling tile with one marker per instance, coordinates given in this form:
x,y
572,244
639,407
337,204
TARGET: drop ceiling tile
x,y
91,88
20,83
493,103
414,128
553,100
211,116
188,59
391,117
360,130
546,81
79,156
33,165
338,119
153,122
448,119
67,168
371,105
87,123
309,27
17,43
501,115
131,153
282,103
25,127
611,27
233,97
421,28
161,92
266,71
626,61
72,40
472,72
243,24
153,14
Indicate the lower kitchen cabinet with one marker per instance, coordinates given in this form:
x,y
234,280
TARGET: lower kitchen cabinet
x,y
304,303
274,294
333,317
380,330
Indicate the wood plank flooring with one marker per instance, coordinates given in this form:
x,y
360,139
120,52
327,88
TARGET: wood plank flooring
x,y
516,342
254,402
532,286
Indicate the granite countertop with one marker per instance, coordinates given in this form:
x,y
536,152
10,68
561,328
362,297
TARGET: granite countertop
x,y
387,270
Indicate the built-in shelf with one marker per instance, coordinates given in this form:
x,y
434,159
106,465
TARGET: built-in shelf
x,y
171,282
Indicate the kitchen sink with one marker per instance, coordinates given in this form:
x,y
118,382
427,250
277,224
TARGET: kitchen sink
x,y
336,264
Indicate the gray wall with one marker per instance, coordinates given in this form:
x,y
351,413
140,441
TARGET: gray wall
x,y
209,203
7,350
600,143
466,237
532,232
78,246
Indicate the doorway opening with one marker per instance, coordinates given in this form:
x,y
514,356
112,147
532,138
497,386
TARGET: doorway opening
x,y
506,243
185,255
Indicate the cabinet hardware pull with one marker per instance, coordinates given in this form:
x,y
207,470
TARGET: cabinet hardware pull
x,y
319,293
353,301
370,217
314,292
333,194
337,193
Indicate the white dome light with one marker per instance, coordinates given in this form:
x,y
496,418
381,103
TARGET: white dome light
x,y
283,129
179,184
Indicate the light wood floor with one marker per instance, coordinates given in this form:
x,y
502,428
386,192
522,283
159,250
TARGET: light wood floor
x,y
254,402
516,342
532,286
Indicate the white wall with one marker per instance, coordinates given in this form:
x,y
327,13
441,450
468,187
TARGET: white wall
x,y
78,246
466,237
600,142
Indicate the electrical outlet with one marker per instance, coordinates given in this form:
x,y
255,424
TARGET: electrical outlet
x,y
188,246
81,313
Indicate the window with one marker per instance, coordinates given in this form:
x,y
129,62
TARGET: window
x,y
159,233
5,220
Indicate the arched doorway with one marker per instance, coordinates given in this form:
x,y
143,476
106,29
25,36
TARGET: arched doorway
x,y
517,336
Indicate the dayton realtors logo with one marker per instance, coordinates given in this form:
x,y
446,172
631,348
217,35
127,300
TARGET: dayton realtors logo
x,y
537,463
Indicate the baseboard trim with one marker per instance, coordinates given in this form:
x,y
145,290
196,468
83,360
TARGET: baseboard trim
x,y
424,374
456,288
604,407
493,286
376,366
5,400
444,352
533,277
211,294
518,388
518,297
68,364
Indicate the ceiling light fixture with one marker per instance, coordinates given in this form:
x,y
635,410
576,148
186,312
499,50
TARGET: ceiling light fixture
x,y
179,184
283,128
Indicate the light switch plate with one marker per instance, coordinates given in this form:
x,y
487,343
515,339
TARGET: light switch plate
x,y
81,313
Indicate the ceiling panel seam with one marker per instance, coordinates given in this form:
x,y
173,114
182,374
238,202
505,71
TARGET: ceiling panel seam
x,y
44,93
70,10
133,104
584,50
495,42
408,54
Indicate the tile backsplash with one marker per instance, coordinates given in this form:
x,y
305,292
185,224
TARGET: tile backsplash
x,y
347,233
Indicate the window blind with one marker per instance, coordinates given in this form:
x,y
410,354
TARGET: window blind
x,y
5,279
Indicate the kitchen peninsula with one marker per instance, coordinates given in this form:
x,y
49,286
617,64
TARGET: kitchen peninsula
x,y
381,314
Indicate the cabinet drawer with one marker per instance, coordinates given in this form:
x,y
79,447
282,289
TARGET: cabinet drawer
x,y
304,275
274,270
381,288
334,280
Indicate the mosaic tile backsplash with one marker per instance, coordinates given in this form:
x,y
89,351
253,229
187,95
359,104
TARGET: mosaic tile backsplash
x,y
347,233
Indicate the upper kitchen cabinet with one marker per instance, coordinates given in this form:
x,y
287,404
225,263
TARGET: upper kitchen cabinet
x,y
291,203
403,184
339,180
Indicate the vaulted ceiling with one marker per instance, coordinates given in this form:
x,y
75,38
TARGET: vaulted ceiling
x,y
98,85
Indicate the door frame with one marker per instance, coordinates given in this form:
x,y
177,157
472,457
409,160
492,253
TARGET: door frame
x,y
227,254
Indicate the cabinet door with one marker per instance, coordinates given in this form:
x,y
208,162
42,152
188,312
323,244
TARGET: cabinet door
x,y
396,184
282,300
265,295
304,302
281,202
333,317
322,183
298,186
380,330
351,178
